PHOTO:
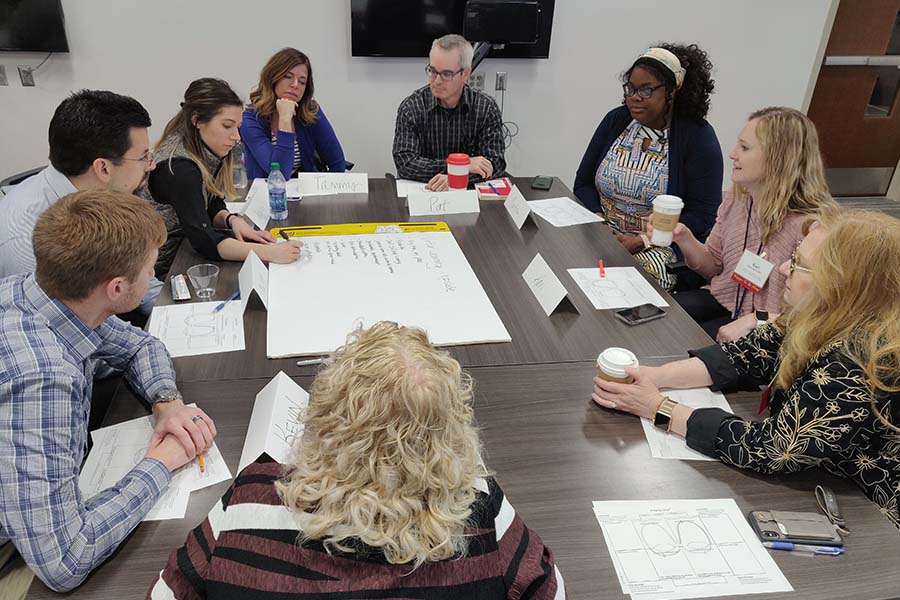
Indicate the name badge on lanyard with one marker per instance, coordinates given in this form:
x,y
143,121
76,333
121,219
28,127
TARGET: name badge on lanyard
x,y
752,271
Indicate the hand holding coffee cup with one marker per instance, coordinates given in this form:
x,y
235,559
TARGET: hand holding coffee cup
x,y
666,212
612,362
679,235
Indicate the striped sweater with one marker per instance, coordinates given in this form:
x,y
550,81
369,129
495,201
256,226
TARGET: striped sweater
x,y
246,548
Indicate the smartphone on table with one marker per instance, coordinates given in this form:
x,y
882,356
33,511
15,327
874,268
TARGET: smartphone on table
x,y
640,314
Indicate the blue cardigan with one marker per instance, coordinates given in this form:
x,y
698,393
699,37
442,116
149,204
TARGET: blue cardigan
x,y
695,167
256,133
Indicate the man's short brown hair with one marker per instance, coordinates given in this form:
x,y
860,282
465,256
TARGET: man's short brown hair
x,y
90,237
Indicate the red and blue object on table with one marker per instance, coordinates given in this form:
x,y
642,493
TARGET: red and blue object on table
x,y
495,189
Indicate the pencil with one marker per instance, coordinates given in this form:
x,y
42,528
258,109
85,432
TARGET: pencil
x,y
284,235
200,461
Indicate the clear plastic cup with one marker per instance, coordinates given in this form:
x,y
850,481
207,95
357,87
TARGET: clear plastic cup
x,y
204,279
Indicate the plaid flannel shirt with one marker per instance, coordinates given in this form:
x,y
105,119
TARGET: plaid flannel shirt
x,y
46,377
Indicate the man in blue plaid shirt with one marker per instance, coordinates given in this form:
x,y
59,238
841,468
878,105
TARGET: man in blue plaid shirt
x,y
94,253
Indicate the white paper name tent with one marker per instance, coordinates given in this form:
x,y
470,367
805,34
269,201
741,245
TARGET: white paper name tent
x,y
193,329
118,448
253,277
665,445
672,549
562,212
256,206
317,184
620,287
405,186
518,208
443,203
418,279
544,284
275,420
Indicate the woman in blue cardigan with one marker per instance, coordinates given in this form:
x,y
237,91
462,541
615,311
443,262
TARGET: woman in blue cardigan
x,y
657,143
284,124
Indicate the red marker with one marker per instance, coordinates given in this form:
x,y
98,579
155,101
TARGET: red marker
x,y
602,270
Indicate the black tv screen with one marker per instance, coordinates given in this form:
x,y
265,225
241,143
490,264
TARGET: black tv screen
x,y
406,28
32,26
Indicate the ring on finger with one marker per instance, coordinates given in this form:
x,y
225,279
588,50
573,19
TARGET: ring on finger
x,y
196,418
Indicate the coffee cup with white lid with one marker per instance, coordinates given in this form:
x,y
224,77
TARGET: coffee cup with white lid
x,y
612,362
666,212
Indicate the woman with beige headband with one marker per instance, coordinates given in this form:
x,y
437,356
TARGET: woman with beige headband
x,y
658,142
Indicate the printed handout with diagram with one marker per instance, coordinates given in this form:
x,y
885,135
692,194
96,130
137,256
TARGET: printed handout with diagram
x,y
118,448
562,212
196,328
620,287
665,445
673,549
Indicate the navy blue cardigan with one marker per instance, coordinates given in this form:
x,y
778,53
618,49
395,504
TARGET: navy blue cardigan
x,y
318,137
695,167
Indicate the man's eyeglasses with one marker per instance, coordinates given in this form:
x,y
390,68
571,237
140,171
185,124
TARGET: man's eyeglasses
x,y
444,75
643,91
793,266
147,157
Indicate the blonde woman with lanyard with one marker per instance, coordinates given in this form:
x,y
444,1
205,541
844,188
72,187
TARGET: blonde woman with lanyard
x,y
779,181
657,143
831,364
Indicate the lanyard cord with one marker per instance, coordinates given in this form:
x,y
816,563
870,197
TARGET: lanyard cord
x,y
741,292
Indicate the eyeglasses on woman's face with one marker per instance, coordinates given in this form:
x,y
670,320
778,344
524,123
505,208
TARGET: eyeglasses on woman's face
x,y
793,266
645,91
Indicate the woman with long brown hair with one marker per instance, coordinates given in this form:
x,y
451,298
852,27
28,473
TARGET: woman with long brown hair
x,y
831,364
779,182
384,495
284,124
192,180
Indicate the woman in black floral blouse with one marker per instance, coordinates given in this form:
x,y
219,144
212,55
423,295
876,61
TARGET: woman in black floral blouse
x,y
831,364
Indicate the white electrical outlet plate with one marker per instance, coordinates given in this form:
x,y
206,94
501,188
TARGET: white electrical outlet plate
x,y
500,84
477,81
27,76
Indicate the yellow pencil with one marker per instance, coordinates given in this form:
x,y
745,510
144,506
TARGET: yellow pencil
x,y
200,460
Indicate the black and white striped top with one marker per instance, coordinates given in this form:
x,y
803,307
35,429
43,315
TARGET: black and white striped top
x,y
298,161
426,133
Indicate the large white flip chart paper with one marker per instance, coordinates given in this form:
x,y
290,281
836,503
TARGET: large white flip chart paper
x,y
418,279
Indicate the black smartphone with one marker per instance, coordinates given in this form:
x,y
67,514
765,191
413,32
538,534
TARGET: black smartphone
x,y
640,314
542,182
794,527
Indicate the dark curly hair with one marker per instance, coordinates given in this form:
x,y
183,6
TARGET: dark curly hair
x,y
692,99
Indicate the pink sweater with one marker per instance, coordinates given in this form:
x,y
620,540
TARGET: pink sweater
x,y
726,245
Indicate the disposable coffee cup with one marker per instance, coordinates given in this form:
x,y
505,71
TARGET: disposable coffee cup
x,y
612,362
458,171
666,212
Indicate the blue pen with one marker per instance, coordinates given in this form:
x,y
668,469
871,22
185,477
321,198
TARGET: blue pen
x,y
491,185
227,300
791,547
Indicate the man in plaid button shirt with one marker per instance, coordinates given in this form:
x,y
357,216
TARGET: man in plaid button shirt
x,y
94,254
448,116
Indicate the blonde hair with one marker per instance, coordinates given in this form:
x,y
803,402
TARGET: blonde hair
x,y
794,180
116,232
262,99
203,100
389,453
855,301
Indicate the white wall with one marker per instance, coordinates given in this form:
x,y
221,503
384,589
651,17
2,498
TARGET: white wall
x,y
764,52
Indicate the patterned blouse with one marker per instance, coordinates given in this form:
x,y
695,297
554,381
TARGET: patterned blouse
x,y
825,419
629,178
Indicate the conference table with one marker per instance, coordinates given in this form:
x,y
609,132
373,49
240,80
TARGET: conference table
x,y
551,448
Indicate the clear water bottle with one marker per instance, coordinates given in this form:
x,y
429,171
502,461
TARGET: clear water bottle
x,y
238,167
277,193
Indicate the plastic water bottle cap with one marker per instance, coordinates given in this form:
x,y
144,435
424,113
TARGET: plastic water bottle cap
x,y
276,166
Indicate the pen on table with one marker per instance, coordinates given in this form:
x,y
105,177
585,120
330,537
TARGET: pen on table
x,y
200,462
491,185
805,548
310,361
602,270
284,235
226,301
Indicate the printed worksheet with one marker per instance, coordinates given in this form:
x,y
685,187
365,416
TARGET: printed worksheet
x,y
666,445
192,329
562,212
620,287
673,549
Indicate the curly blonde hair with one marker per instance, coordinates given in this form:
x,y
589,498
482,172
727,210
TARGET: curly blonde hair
x,y
389,453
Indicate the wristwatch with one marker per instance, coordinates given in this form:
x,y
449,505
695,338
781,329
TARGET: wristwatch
x,y
663,416
762,317
168,395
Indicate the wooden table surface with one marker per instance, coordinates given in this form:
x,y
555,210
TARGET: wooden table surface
x,y
553,452
552,449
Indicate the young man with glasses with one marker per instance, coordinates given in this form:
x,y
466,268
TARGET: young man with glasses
x,y
448,116
98,141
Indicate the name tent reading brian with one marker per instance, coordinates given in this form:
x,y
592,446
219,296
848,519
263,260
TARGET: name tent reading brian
x,y
417,279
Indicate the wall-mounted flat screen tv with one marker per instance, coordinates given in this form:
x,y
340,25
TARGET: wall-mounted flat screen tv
x,y
32,26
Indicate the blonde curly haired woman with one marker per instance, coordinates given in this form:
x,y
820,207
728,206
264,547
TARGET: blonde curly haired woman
x,y
385,495
831,364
